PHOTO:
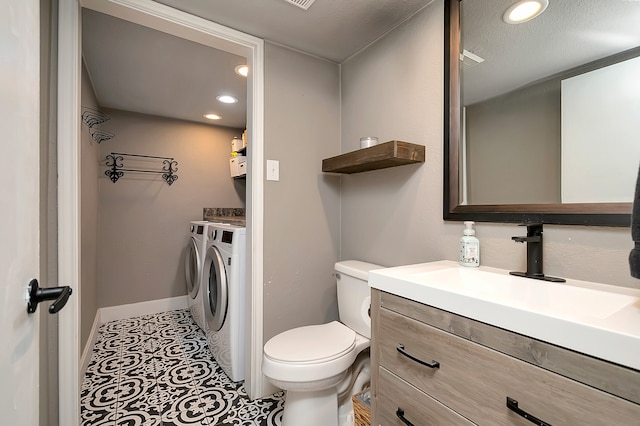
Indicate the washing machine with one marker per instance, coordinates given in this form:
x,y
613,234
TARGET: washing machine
x,y
224,283
193,264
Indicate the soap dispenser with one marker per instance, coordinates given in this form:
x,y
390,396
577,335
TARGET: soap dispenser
x,y
469,246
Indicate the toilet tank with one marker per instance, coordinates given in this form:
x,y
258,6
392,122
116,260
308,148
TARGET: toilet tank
x,y
354,295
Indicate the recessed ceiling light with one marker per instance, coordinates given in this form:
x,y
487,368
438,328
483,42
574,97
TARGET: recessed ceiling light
x,y
242,70
212,116
226,99
524,10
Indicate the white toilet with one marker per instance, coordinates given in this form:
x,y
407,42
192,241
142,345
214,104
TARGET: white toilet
x,y
310,362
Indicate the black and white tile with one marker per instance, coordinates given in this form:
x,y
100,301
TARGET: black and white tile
x,y
156,370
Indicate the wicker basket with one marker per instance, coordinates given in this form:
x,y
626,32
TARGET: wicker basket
x,y
361,409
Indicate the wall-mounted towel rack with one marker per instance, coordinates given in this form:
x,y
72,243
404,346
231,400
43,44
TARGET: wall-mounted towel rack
x,y
91,118
115,162
100,135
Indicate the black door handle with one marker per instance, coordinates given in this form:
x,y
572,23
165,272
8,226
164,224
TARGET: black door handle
x,y
36,295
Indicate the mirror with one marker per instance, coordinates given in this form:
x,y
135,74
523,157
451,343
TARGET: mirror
x,y
576,159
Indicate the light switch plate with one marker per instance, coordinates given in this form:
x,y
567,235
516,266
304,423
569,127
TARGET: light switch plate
x,y
273,170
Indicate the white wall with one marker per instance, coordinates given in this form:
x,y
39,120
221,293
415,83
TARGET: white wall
x,y
600,127
301,211
394,90
144,222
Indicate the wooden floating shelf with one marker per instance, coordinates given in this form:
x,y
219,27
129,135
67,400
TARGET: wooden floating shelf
x,y
381,156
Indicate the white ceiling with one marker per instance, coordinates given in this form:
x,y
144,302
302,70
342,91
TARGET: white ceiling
x,y
331,29
137,69
134,68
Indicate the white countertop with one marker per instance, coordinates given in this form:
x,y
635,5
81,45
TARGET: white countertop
x,y
596,319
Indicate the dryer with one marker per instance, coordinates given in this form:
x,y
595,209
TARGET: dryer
x,y
193,264
224,283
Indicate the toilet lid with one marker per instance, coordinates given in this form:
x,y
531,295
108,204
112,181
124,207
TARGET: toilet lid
x,y
312,343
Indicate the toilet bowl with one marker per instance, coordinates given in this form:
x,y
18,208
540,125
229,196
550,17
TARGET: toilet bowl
x,y
310,362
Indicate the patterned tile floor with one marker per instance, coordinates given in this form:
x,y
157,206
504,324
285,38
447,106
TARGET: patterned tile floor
x,y
157,370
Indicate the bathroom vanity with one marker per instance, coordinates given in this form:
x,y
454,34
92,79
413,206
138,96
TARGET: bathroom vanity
x,y
462,346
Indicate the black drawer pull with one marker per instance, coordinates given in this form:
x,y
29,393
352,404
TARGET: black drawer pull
x,y
512,404
400,414
432,364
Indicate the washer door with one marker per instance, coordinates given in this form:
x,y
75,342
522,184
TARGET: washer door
x,y
192,268
216,289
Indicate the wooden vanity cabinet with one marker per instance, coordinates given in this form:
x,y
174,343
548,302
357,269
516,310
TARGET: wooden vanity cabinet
x,y
432,367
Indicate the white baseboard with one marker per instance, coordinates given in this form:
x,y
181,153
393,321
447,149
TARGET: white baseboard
x,y
120,312
88,347
113,313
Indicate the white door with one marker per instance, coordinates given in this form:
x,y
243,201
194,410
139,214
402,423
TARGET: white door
x,y
19,212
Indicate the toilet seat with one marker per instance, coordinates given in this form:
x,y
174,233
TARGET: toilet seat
x,y
313,344
317,353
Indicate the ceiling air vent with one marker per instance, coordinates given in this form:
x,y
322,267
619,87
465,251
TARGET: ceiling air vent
x,y
469,59
303,4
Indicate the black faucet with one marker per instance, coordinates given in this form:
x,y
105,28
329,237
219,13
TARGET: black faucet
x,y
534,254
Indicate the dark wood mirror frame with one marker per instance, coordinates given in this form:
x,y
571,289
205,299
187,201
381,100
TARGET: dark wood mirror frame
x,y
601,214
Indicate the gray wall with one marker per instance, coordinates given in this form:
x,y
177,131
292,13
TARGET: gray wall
x,y
514,141
315,109
143,222
89,199
301,211
48,404
394,90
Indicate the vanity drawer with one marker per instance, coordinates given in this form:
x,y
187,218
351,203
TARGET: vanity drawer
x,y
418,407
475,381
614,379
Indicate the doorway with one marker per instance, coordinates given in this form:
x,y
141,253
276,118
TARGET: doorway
x,y
165,19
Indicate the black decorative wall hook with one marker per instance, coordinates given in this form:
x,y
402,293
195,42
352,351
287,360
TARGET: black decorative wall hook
x,y
116,168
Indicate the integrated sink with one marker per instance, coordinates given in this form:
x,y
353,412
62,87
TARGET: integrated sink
x,y
592,318
528,294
